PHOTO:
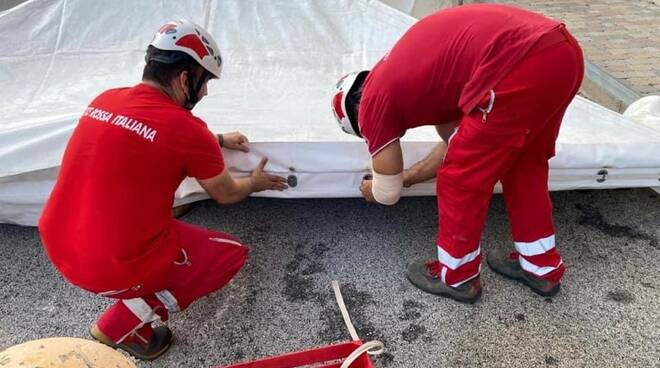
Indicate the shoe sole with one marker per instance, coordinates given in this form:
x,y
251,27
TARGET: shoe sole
x,y
125,348
472,300
524,281
457,298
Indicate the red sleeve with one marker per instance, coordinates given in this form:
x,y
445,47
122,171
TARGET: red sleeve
x,y
204,158
380,122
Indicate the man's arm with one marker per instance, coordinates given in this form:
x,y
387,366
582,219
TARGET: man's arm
x,y
226,189
387,163
234,141
426,168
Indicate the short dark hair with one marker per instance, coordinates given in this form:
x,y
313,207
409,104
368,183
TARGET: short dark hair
x,y
163,66
356,95
353,98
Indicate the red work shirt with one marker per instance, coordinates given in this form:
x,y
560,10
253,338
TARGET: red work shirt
x,y
442,66
107,224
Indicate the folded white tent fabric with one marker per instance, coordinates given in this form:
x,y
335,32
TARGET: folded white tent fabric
x,y
645,111
282,58
420,8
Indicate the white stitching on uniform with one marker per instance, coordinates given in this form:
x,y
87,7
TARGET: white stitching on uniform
x,y
222,240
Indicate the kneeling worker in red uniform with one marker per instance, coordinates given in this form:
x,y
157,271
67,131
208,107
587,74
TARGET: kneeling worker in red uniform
x,y
107,225
505,77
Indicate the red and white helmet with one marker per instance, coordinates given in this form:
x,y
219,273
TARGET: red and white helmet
x,y
188,37
343,105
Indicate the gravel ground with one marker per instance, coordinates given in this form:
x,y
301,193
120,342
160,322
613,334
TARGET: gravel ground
x,y
606,315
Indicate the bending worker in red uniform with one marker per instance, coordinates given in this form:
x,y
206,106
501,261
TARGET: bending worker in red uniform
x,y
107,225
505,77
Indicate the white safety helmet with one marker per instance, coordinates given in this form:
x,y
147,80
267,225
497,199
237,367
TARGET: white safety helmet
x,y
188,37
343,105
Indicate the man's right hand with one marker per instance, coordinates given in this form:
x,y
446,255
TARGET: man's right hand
x,y
261,181
226,189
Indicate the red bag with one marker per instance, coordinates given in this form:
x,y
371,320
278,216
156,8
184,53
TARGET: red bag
x,y
352,354
331,356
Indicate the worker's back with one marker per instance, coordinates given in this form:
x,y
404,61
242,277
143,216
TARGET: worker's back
x,y
108,219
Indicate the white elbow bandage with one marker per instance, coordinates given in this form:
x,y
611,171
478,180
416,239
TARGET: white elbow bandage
x,y
387,188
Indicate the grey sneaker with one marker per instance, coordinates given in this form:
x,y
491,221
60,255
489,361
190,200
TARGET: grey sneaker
x,y
425,275
155,347
509,266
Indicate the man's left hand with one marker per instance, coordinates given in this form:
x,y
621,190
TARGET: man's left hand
x,y
365,188
236,141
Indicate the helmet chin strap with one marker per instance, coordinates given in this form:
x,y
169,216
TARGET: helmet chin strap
x,y
193,90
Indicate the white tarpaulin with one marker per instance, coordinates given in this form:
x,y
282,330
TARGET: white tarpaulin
x,y
282,58
420,8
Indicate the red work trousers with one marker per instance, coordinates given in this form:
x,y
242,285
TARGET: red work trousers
x,y
512,144
209,259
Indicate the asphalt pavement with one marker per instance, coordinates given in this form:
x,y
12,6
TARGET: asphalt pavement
x,y
606,315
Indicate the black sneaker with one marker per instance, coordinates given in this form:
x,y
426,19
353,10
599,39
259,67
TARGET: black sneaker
x,y
509,266
152,349
425,275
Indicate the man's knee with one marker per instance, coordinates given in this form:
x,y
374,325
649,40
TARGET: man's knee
x,y
232,253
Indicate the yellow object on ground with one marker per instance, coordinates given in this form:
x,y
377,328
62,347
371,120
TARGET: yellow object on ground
x,y
61,352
